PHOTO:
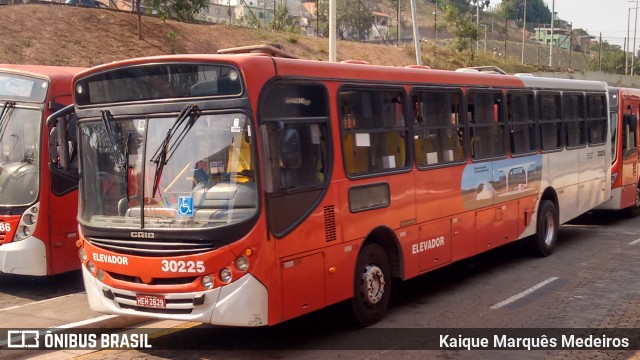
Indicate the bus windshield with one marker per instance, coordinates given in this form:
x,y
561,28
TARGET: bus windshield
x,y
162,172
19,154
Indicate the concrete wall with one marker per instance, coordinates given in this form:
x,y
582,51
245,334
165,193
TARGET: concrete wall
x,y
611,79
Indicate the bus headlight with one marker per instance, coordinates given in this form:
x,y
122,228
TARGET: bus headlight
x,y
27,223
225,275
99,274
207,281
242,263
91,267
24,231
82,254
29,219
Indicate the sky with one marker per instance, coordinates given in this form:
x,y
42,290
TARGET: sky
x,y
608,17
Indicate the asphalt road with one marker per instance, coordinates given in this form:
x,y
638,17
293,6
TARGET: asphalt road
x,y
591,281
17,290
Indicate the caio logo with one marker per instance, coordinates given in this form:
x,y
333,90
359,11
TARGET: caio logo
x,y
23,339
142,235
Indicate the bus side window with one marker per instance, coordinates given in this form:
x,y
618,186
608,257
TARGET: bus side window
x,y
439,136
486,125
522,123
550,121
574,119
374,130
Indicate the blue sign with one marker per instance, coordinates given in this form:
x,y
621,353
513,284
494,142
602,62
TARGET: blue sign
x,y
185,205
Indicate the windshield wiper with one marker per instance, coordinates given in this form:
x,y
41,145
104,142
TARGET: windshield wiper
x,y
4,118
177,132
107,118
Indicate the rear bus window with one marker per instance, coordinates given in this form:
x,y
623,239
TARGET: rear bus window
x,y
596,119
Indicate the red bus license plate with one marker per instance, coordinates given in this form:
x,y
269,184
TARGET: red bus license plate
x,y
153,301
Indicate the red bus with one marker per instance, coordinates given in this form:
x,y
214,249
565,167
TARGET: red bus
x,y
625,185
38,207
248,189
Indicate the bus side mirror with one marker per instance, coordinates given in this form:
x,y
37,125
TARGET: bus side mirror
x,y
63,127
282,151
290,149
631,121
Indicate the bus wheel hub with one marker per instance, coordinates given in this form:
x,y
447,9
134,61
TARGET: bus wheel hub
x,y
372,284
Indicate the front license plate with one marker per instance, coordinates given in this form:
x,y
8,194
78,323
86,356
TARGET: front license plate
x,y
152,301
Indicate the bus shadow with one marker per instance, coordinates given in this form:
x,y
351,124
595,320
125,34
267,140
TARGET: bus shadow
x,y
37,288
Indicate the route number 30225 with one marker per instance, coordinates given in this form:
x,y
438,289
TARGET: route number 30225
x,y
182,266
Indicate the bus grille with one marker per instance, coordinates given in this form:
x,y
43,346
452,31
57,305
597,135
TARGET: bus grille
x,y
155,281
153,247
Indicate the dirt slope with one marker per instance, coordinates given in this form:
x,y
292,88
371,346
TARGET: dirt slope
x,y
52,34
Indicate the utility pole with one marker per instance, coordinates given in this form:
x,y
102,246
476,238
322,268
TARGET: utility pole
x,y
626,44
332,30
600,55
570,37
477,23
553,17
398,24
435,22
524,28
485,38
633,52
416,35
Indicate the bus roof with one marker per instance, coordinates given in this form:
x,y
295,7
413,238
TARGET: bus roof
x,y
50,72
362,72
323,69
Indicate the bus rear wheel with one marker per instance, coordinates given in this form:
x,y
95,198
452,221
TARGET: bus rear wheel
x,y
371,285
544,241
634,211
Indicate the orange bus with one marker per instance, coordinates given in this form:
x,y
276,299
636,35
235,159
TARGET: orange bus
x,y
38,207
625,185
250,189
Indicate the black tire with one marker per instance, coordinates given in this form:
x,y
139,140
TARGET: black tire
x,y
369,302
544,241
634,211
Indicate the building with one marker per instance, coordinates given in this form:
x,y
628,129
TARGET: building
x,y
380,26
218,12
561,37
250,12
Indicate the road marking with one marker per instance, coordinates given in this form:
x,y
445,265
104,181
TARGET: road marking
x,y
40,302
634,242
82,323
524,293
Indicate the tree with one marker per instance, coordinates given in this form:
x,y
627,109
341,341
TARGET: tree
x,y
282,20
459,24
139,16
353,19
462,6
506,11
537,11
181,10
612,58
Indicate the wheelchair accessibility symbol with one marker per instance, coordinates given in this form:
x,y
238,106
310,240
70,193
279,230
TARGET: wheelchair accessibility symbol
x,y
185,205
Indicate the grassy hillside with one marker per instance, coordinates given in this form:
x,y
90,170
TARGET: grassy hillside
x,y
53,34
